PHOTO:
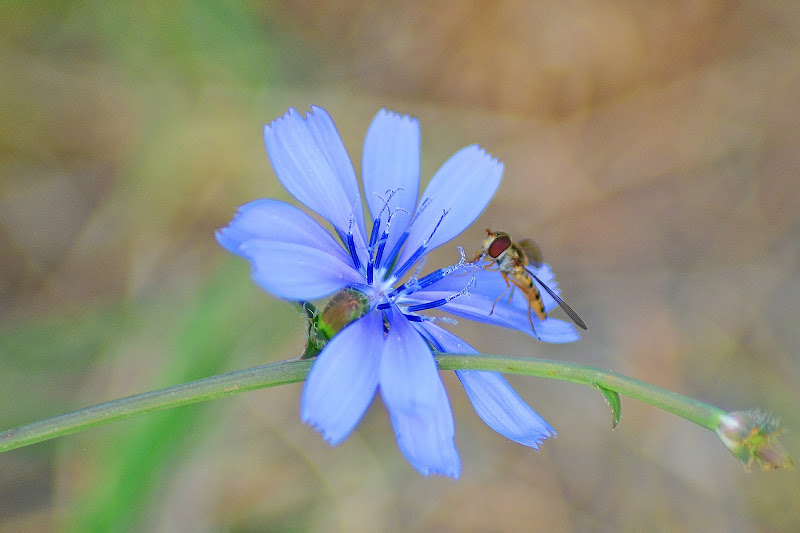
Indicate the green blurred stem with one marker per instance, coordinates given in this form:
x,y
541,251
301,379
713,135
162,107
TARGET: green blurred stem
x,y
693,410
293,371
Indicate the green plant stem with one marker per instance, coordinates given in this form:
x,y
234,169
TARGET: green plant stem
x,y
293,371
693,410
201,390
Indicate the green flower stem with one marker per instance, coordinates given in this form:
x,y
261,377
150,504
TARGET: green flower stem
x,y
693,410
200,390
293,371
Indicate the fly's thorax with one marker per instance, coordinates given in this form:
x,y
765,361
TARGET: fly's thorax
x,y
506,263
517,254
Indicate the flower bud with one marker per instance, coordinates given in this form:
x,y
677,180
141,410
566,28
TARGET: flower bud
x,y
752,436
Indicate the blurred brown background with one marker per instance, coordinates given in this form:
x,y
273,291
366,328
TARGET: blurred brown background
x,y
649,148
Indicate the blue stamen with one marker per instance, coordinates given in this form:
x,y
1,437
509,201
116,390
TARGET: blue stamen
x,y
421,250
351,245
373,237
391,193
442,273
385,236
411,260
381,246
396,291
396,250
409,287
428,305
441,301
404,237
414,318
432,278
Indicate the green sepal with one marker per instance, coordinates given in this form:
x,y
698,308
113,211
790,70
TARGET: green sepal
x,y
612,398
310,310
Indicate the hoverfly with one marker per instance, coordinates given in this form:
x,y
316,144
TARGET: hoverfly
x,y
511,259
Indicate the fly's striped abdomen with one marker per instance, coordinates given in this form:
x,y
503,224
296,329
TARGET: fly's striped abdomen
x,y
525,283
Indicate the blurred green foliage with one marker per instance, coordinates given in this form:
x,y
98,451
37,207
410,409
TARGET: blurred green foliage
x,y
651,151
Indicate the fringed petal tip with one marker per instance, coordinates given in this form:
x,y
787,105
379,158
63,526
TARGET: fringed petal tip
x,y
536,442
327,436
499,405
452,471
229,239
396,115
343,380
417,402
454,198
291,114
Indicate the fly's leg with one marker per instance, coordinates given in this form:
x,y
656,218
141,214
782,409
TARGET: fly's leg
x,y
508,287
530,319
478,256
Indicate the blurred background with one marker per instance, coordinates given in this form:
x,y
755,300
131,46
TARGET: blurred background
x,y
650,149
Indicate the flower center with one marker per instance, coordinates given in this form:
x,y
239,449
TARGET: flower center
x,y
396,296
379,270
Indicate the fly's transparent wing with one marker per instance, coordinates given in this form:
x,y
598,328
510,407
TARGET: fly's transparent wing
x,y
567,309
532,251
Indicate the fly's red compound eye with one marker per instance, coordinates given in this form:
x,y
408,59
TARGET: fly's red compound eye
x,y
499,245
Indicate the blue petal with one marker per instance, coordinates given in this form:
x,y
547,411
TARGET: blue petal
x,y
391,162
296,271
275,221
310,160
344,378
493,398
478,308
487,287
553,330
417,402
503,409
462,187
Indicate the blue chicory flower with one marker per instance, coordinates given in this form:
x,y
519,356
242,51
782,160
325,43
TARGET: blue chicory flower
x,y
389,348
